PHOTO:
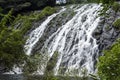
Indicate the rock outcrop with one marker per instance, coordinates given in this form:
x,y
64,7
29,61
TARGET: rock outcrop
x,y
106,34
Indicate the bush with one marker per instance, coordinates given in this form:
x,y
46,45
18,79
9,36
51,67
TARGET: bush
x,y
116,6
11,39
27,20
51,64
11,48
11,43
45,12
116,24
32,63
106,1
109,64
106,6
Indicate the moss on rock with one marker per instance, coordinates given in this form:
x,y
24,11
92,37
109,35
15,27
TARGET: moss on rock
x,y
116,24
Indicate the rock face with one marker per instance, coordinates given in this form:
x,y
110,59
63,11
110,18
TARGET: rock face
x,y
53,27
105,33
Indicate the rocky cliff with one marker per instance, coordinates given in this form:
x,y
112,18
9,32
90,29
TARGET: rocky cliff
x,y
106,34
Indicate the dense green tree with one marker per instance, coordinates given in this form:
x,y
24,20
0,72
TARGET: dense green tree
x,y
12,39
11,48
11,44
109,63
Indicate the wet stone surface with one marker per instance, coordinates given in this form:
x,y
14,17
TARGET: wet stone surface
x,y
105,33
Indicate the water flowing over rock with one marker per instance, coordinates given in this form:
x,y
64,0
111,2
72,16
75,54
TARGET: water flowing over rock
x,y
78,50
37,33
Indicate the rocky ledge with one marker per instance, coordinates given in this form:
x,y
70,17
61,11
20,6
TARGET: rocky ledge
x,y
106,34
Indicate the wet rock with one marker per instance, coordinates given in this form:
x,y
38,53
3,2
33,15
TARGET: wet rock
x,y
52,27
106,34
84,17
97,33
91,40
82,62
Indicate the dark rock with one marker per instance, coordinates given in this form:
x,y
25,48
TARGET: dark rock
x,y
82,62
84,17
97,33
107,34
52,27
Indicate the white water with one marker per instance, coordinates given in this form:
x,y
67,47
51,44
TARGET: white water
x,y
74,42
36,34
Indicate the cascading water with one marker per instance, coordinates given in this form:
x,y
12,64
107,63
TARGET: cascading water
x,y
77,48
37,33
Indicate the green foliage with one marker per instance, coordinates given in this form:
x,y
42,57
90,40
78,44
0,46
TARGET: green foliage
x,y
32,63
93,1
6,19
11,48
116,24
11,43
57,78
109,64
109,4
12,39
48,75
103,11
106,5
51,78
107,1
1,9
116,6
48,11
27,20
51,64
45,12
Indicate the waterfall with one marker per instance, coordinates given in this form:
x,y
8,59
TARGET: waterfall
x,y
77,48
37,33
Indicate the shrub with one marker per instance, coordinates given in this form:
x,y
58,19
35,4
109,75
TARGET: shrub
x,y
12,41
45,12
104,10
27,20
106,6
109,64
51,64
116,24
11,48
116,6
7,18
106,1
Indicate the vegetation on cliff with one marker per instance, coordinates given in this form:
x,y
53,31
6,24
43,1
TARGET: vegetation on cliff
x,y
11,44
116,24
12,37
12,32
108,65
25,21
